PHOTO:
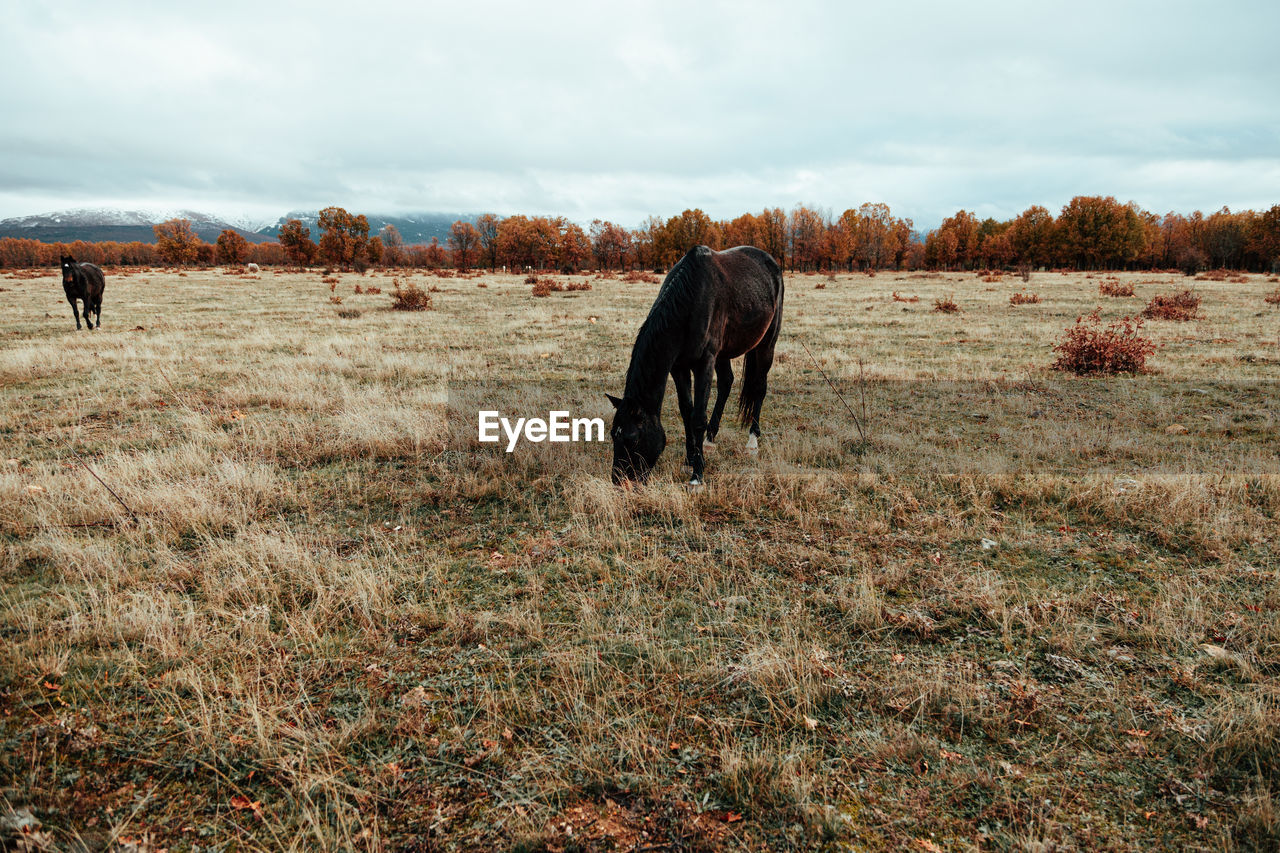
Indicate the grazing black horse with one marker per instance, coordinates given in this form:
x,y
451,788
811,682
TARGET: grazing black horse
x,y
712,307
83,282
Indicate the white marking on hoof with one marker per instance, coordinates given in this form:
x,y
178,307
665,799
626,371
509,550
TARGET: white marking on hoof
x,y
753,446
695,485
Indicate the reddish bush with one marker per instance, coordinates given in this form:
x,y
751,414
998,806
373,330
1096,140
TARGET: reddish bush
x,y
545,286
1088,348
1024,298
897,298
947,305
410,298
1173,306
578,285
635,276
1272,298
1113,287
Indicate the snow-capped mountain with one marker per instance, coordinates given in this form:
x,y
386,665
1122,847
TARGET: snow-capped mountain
x,y
95,224
98,223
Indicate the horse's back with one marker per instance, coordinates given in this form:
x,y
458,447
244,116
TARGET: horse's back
x,y
94,279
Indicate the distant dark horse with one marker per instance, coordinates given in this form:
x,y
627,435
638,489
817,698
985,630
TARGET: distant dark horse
x,y
83,282
713,306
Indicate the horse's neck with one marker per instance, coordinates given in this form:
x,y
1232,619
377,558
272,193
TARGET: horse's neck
x,y
651,362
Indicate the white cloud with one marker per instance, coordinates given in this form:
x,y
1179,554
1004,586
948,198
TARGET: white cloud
x,y
647,108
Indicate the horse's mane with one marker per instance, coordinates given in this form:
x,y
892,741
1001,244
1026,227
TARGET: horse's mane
x,y
648,368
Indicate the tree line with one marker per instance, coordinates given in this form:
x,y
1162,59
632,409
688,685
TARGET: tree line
x,y
1089,233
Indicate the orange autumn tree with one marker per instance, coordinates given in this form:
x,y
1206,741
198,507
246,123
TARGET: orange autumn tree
x,y
345,240
610,244
176,242
464,244
232,248
295,239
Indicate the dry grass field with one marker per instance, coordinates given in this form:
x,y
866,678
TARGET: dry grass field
x,y
1029,612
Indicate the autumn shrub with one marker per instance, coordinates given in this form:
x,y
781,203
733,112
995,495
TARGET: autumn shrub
x,y
899,298
822,285
373,291
359,290
578,285
636,276
1272,298
1173,306
1024,298
1114,287
1213,275
335,300
410,298
1089,348
946,304
544,286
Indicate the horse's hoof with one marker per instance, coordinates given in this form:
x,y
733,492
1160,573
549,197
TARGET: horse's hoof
x,y
696,485
753,446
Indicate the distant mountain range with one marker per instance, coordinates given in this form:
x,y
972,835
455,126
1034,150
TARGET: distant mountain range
x,y
127,226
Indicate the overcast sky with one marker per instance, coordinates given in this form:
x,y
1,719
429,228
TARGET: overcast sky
x,y
619,111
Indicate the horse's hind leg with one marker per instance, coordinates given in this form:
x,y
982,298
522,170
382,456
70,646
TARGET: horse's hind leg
x,y
755,382
724,381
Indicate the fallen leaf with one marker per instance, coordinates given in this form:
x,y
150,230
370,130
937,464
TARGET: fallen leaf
x,y
241,803
732,817
1137,732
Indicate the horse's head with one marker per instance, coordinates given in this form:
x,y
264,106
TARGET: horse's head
x,y
638,440
68,270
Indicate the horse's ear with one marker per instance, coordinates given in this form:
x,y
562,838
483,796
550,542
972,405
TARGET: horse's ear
x,y
617,404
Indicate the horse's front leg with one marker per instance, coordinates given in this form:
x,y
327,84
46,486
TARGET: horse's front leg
x,y
684,397
75,309
696,426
